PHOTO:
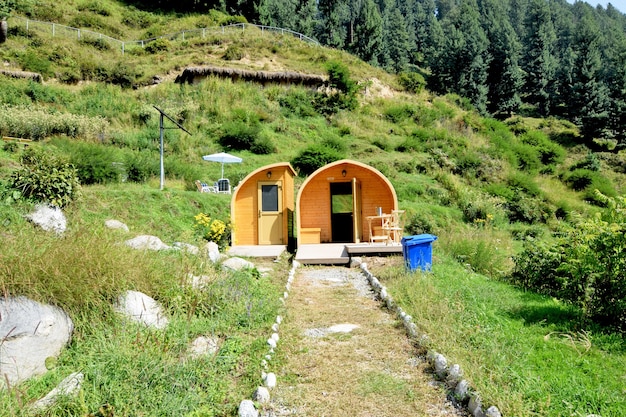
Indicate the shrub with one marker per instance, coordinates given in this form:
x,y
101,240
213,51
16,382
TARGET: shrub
x,y
397,114
519,182
579,179
412,82
238,135
212,230
591,163
95,163
140,166
47,178
314,157
233,53
158,45
527,157
263,146
549,153
97,43
585,267
297,103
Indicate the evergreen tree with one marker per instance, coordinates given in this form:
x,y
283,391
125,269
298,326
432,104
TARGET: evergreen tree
x,y
461,64
428,31
396,44
278,13
367,39
589,97
333,21
538,61
504,74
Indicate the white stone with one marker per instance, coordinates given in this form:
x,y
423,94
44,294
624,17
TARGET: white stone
x,y
493,412
213,251
237,264
69,387
475,406
186,247
275,337
270,380
261,395
49,218
30,332
279,319
116,225
342,328
441,365
275,327
204,346
246,409
147,242
454,375
198,282
295,264
271,342
462,390
141,308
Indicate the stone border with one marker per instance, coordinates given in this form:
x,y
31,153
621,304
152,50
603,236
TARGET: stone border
x,y
452,376
261,395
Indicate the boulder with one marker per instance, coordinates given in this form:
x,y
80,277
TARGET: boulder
x,y
30,332
147,242
261,395
237,264
116,225
142,309
49,218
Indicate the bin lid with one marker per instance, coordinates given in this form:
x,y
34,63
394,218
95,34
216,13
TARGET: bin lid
x,y
418,239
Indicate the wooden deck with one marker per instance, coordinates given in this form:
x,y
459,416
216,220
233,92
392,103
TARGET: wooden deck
x,y
319,253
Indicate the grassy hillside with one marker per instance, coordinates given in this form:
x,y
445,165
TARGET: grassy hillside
x,y
483,186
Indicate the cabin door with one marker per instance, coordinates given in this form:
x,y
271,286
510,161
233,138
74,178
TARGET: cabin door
x,y
270,213
341,209
356,210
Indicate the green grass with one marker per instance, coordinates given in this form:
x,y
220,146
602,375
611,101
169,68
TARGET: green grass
x,y
523,353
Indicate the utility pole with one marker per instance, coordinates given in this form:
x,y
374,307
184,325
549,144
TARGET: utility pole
x,y
161,129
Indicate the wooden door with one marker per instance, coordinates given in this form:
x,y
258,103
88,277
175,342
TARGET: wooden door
x,y
270,213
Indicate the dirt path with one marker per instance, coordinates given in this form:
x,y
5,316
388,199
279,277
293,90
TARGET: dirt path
x,y
345,356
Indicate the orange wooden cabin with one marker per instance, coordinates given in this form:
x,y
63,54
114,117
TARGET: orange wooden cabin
x,y
334,202
262,206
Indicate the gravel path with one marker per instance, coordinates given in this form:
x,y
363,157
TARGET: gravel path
x,y
344,355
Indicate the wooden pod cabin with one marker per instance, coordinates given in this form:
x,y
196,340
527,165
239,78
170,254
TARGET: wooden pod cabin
x,y
262,206
334,202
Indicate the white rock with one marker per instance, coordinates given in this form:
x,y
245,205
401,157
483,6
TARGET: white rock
x,y
454,375
261,395
213,251
475,406
270,380
186,247
116,225
204,346
462,390
49,218
493,412
271,342
142,309
69,387
30,332
147,242
275,337
279,319
441,365
198,282
237,264
275,327
246,409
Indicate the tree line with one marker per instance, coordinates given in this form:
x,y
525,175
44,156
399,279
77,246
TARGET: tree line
x,y
546,57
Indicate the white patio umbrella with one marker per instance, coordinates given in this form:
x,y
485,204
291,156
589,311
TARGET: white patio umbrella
x,y
224,158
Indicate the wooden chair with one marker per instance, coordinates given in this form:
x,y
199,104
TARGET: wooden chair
x,y
395,226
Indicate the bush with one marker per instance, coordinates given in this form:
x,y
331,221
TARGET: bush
x,y
579,179
591,163
397,114
585,267
239,136
158,45
97,43
314,157
95,163
263,146
233,53
549,153
140,166
412,82
46,178
297,103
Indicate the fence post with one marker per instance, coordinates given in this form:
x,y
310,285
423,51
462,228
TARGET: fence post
x,y
78,31
53,27
26,25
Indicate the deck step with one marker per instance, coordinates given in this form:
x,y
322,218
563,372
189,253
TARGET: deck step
x,y
326,254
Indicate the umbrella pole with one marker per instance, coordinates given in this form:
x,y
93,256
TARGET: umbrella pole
x,y
222,171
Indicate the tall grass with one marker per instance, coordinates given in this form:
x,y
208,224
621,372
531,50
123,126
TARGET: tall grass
x,y
521,351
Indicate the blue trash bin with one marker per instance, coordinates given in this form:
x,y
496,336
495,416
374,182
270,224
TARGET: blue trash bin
x,y
417,251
